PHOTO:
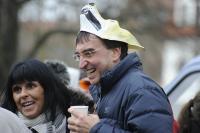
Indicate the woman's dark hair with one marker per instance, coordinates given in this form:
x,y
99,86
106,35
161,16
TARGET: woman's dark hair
x,y
189,118
56,94
109,44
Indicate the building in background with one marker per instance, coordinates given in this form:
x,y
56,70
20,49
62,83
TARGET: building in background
x,y
183,40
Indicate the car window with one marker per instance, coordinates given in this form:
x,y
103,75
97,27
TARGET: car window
x,y
184,91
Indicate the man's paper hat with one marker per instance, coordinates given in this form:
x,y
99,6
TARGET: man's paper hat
x,y
92,22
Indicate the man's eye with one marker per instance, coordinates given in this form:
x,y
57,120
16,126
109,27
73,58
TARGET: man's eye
x,y
77,57
88,53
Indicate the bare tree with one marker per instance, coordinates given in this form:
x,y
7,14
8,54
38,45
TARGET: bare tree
x,y
8,36
142,17
9,28
146,20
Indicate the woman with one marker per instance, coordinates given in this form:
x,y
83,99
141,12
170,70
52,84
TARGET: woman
x,y
39,98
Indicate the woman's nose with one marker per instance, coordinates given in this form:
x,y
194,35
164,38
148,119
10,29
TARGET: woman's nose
x,y
23,92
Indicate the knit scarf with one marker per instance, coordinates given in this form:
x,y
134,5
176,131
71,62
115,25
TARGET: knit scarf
x,y
41,125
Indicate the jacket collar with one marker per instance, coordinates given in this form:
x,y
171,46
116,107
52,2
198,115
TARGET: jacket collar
x,y
110,77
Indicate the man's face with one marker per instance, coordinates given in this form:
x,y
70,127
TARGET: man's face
x,y
95,58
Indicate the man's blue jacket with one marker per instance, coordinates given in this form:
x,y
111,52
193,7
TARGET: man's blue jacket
x,y
128,101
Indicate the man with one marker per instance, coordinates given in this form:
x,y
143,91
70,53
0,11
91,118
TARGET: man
x,y
126,99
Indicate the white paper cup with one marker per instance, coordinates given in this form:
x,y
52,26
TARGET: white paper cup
x,y
80,109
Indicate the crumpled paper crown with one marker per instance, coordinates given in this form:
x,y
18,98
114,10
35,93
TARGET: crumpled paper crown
x,y
92,22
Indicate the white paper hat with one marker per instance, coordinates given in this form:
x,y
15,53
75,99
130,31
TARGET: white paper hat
x,y
92,22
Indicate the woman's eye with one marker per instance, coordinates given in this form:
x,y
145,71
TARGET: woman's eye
x,y
30,85
16,89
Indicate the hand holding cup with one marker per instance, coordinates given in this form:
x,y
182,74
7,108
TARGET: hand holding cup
x,y
80,109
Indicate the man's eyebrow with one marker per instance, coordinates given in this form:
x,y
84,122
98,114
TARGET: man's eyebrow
x,y
86,50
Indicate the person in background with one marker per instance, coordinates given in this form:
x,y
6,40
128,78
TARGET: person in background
x,y
189,118
127,100
60,70
10,123
84,82
39,98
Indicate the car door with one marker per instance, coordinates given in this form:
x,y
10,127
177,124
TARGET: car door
x,y
185,86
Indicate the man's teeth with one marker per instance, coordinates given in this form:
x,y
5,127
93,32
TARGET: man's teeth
x,y
90,71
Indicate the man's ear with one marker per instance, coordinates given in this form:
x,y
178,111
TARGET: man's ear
x,y
116,54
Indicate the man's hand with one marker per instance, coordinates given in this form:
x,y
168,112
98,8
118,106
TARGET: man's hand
x,y
81,123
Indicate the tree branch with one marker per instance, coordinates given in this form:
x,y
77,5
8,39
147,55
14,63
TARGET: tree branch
x,y
41,41
21,2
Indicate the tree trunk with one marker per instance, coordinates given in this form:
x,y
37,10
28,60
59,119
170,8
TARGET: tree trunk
x,y
8,37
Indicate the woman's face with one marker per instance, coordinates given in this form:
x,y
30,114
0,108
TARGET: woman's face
x,y
29,98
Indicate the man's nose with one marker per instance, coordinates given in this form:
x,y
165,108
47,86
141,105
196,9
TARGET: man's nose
x,y
82,63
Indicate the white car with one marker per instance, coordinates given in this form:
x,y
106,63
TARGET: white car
x,y
185,86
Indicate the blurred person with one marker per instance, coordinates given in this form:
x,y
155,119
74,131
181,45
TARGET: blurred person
x,y
68,75
60,70
84,82
10,123
189,118
39,98
127,100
